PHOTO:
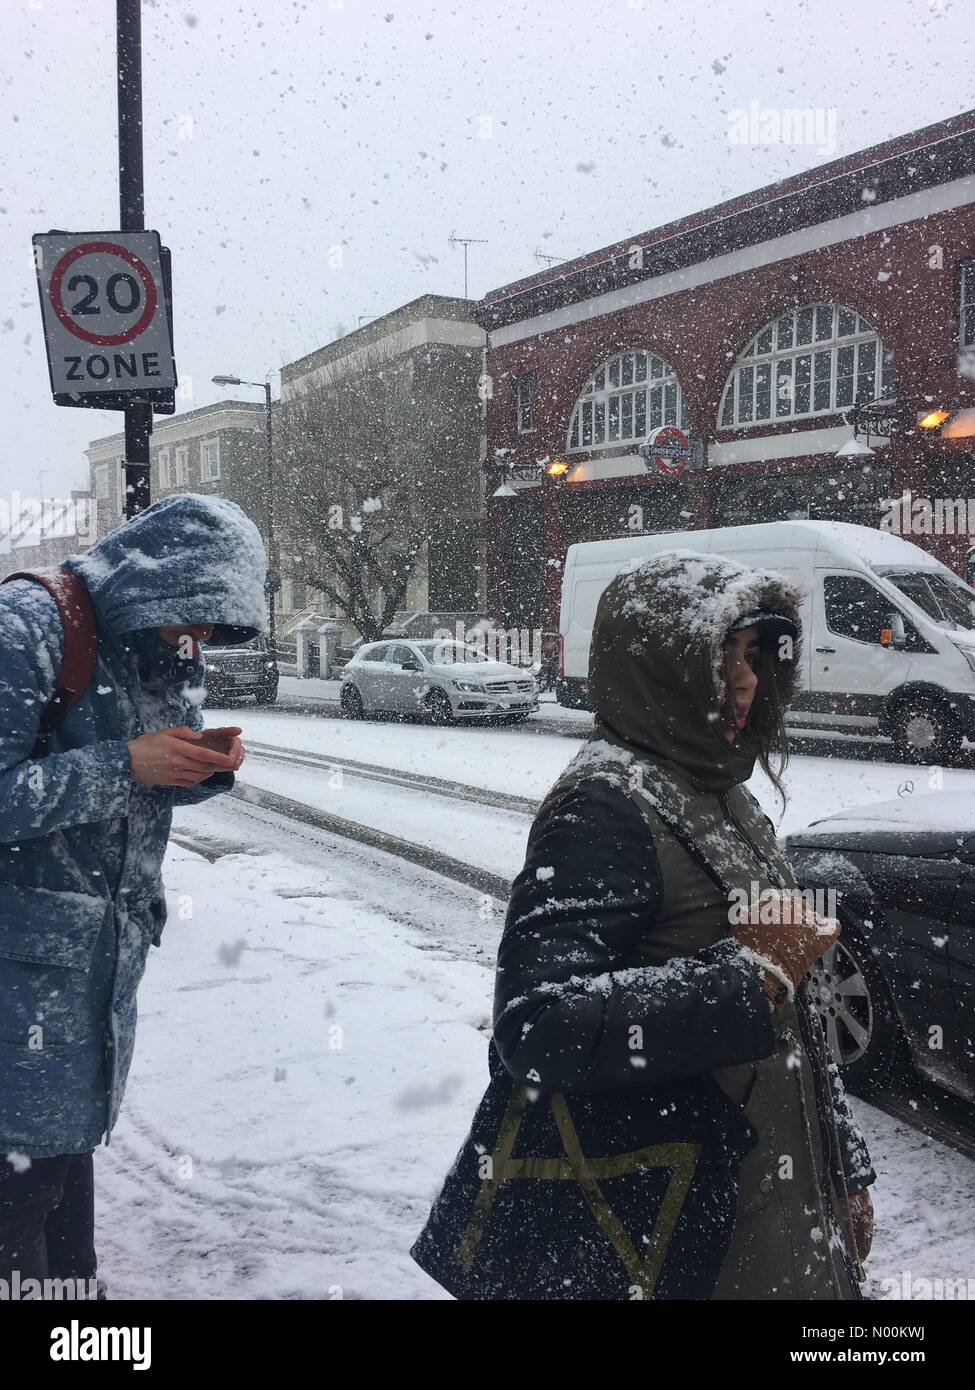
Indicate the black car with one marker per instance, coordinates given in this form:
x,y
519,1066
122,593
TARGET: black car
x,y
233,672
899,984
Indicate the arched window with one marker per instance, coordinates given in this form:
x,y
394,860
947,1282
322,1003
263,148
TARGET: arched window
x,y
631,394
809,361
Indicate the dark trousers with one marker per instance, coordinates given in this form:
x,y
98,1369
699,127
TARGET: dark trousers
x,y
47,1218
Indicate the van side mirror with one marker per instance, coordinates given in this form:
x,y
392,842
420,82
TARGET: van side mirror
x,y
894,634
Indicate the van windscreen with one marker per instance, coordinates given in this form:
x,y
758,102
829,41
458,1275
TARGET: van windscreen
x,y
947,601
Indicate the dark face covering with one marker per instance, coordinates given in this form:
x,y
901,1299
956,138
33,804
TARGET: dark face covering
x,y
656,671
159,663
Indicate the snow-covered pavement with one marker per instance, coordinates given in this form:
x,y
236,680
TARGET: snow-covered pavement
x,y
307,1062
313,1035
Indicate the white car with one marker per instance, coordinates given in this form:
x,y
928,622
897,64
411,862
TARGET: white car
x,y
445,680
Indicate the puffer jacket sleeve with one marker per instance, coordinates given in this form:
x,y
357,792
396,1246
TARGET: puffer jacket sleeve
x,y
202,791
568,1012
40,795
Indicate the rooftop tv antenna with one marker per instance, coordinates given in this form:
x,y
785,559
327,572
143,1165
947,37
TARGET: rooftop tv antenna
x,y
466,241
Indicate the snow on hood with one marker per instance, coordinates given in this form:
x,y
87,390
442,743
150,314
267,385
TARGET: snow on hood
x,y
185,559
656,671
481,670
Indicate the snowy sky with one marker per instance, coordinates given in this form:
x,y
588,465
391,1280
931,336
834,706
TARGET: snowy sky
x,y
278,132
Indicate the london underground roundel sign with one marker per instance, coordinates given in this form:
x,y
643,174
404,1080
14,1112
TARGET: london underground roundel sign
x,y
668,449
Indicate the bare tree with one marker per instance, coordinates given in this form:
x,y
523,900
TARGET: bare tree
x,y
361,486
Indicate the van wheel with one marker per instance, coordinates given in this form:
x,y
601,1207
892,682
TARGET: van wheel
x,y
924,731
351,702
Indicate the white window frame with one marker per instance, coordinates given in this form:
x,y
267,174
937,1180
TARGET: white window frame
x,y
208,474
592,420
966,317
182,459
164,475
763,357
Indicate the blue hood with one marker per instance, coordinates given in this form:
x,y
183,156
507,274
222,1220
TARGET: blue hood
x,y
185,559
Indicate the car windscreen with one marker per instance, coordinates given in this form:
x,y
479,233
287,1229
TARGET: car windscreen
x,y
947,601
256,644
447,652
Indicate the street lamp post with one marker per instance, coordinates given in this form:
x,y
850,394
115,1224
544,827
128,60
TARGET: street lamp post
x,y
273,577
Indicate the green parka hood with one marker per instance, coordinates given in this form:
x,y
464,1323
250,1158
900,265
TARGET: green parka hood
x,y
656,669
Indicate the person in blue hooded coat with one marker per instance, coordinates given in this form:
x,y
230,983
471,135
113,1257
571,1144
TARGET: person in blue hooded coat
x,y
84,822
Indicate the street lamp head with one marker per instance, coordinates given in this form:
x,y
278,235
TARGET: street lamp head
x,y
227,381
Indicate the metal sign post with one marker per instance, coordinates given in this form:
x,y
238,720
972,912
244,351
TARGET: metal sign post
x,y
138,415
106,297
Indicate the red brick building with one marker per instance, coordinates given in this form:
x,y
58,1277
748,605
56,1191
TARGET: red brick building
x,y
757,325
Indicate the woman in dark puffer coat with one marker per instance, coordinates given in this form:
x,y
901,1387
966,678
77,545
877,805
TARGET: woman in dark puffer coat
x,y
636,996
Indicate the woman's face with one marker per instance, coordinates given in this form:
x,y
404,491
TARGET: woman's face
x,y
741,652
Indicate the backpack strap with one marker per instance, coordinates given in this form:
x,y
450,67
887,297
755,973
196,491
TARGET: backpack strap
x,y
80,640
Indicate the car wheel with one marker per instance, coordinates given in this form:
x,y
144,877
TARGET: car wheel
x,y
845,987
350,702
268,695
924,731
438,707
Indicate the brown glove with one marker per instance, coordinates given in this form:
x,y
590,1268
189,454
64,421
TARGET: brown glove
x,y
797,937
860,1212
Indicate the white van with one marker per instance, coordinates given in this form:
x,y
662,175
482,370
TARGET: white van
x,y
888,631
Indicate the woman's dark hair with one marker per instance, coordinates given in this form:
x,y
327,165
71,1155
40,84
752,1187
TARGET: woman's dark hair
x,y
765,731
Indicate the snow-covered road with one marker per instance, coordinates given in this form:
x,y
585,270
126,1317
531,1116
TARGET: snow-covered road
x,y
313,1032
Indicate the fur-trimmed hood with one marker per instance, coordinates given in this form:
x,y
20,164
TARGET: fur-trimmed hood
x,y
656,672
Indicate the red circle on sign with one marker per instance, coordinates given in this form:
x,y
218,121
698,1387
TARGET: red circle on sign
x,y
669,434
103,339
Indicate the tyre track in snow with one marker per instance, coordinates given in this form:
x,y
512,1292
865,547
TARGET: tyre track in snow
x,y
370,836
376,772
400,885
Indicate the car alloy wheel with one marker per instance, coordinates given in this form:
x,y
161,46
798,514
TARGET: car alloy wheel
x,y
837,990
864,1034
439,708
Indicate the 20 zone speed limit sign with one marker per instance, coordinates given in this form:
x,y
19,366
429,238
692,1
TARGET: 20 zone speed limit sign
x,y
106,324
